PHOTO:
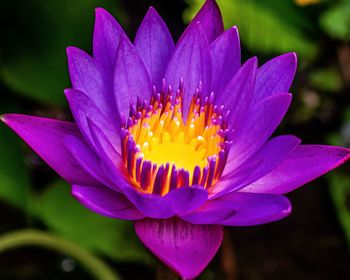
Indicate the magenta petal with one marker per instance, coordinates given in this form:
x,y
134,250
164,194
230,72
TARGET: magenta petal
x,y
261,121
104,147
106,202
241,209
45,137
237,94
130,77
107,33
184,247
226,58
187,199
192,62
266,159
210,18
305,164
154,45
151,205
87,76
275,76
86,158
83,108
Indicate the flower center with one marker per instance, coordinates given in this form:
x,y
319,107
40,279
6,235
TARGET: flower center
x,y
162,152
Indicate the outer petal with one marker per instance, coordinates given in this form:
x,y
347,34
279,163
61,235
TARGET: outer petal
x,y
45,137
107,33
130,77
87,76
275,76
154,45
106,202
261,121
192,62
151,205
210,18
261,163
237,95
184,247
104,147
187,199
305,164
86,158
226,58
83,108
241,209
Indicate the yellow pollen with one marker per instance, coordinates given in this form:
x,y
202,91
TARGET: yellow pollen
x,y
163,140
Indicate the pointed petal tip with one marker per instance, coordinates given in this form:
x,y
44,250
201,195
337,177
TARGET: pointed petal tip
x,y
252,62
186,248
290,58
152,10
71,50
3,118
100,12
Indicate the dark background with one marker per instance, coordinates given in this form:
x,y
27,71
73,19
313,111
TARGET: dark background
x,y
309,244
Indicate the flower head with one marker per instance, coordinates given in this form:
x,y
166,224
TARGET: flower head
x,y
177,138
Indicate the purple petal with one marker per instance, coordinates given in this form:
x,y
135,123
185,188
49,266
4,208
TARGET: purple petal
x,y
192,63
45,137
151,205
154,45
87,76
262,119
106,202
107,33
83,108
104,147
184,247
305,164
210,18
266,159
226,58
237,95
86,158
130,77
187,199
275,76
241,209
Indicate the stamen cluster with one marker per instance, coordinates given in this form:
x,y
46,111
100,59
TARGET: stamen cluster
x,y
161,152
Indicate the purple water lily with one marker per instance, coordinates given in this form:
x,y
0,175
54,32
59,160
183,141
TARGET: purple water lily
x,y
177,137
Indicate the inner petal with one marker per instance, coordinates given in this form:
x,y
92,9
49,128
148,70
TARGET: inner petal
x,y
162,152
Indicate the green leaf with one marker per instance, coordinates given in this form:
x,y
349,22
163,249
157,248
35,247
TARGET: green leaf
x,y
340,191
14,180
33,61
63,214
264,26
336,21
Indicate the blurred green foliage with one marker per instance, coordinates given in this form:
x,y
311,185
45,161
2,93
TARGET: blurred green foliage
x,y
33,58
113,238
14,179
327,79
340,192
266,26
336,20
